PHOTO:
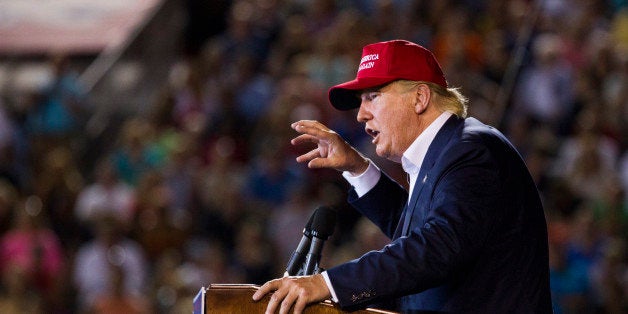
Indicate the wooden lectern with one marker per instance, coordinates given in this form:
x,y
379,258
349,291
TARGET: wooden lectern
x,y
238,298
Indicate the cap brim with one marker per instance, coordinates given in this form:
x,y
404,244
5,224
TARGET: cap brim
x,y
344,96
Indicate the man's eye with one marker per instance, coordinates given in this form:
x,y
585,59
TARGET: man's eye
x,y
371,96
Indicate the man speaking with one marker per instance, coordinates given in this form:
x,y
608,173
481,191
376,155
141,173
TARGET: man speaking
x,y
469,236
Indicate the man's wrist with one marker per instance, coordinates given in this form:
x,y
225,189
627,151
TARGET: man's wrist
x,y
366,180
332,293
360,169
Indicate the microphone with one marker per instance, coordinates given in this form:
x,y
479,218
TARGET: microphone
x,y
296,259
322,227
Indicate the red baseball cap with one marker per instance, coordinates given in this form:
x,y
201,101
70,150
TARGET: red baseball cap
x,y
384,62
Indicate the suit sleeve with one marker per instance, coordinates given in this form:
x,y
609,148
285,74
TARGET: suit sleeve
x,y
386,194
457,210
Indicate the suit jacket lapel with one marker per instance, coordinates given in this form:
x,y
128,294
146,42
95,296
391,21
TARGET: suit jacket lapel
x,y
436,147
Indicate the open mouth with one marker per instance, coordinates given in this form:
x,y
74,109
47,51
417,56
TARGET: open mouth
x,y
372,132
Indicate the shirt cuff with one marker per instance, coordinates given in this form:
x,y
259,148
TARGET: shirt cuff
x,y
334,298
364,182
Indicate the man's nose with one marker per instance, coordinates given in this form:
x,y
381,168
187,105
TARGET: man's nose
x,y
363,114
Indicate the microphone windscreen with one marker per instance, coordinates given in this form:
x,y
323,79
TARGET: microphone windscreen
x,y
324,222
310,221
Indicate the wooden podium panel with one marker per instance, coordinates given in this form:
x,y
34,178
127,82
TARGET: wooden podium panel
x,y
238,298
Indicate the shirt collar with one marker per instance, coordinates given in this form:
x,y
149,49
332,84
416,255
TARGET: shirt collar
x,y
413,156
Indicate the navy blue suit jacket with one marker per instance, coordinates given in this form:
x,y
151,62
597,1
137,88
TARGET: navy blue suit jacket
x,y
477,236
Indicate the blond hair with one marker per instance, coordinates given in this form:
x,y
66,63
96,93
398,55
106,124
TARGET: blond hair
x,y
445,99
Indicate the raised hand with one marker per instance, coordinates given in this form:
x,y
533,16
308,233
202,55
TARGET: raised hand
x,y
331,150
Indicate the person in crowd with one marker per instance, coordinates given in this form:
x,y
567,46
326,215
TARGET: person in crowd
x,y
57,184
32,250
253,252
136,152
98,260
470,233
107,193
545,91
116,299
63,106
155,226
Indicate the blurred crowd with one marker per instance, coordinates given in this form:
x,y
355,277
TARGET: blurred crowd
x,y
204,187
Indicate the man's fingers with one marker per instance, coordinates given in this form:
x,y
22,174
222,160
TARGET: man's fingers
x,y
287,302
317,163
264,289
293,291
275,300
304,138
309,156
301,303
303,124
313,128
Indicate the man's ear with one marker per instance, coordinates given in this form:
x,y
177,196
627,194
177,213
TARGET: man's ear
x,y
422,98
